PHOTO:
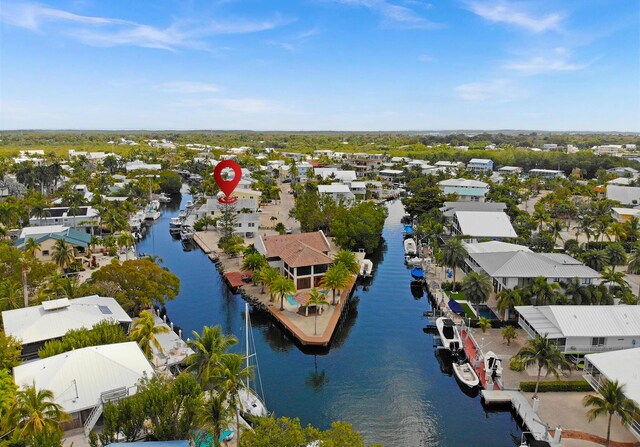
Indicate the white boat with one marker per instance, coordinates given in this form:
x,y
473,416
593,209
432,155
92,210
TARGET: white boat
x,y
250,403
492,365
466,375
409,247
449,334
186,233
189,204
164,198
175,224
151,214
413,261
183,214
366,266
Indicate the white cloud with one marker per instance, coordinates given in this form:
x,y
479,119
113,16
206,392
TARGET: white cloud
x,y
394,14
110,32
557,60
500,90
515,14
188,87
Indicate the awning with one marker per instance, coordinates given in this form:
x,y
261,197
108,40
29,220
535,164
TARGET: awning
x,y
455,307
417,273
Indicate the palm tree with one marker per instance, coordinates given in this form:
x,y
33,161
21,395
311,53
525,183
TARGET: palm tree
x,y
283,286
253,262
126,240
316,298
348,259
214,416
542,352
611,401
610,276
454,255
231,377
616,255
507,300
596,259
544,291
540,216
555,227
618,230
632,229
31,246
484,323
586,226
37,412
208,349
63,253
268,277
476,287
634,262
10,294
336,278
144,332
577,292
40,211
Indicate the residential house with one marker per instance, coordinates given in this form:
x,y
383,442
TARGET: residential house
x,y
368,165
620,366
612,150
546,173
82,218
478,224
139,165
467,190
303,257
479,165
242,193
84,380
583,329
336,174
510,170
623,171
35,325
622,215
392,175
550,147
338,192
247,214
626,195
511,269
359,189
450,208
47,236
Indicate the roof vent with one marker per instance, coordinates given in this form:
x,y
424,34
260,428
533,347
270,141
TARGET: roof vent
x,y
56,304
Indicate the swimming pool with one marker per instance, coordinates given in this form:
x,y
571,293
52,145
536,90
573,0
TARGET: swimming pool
x,y
291,300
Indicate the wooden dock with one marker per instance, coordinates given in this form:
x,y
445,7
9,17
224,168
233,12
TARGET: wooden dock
x,y
523,408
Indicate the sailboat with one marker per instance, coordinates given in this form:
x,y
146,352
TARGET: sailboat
x,y
251,405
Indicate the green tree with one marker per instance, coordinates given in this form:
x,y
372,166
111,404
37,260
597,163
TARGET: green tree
x,y
616,254
283,286
208,349
612,400
359,226
476,287
227,222
253,262
337,277
454,255
63,253
214,416
348,259
509,334
317,299
596,259
577,292
126,241
484,324
10,351
268,277
634,261
37,412
140,283
544,292
507,300
144,333
542,352
170,182
231,377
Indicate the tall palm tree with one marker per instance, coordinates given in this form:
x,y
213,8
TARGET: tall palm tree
x,y
208,349
544,291
231,377
542,352
618,230
253,262
283,286
616,254
586,226
611,401
348,259
634,262
632,229
610,276
336,278
596,259
317,299
214,416
37,412
555,228
268,277
126,240
144,332
476,287
63,253
10,295
454,255
507,300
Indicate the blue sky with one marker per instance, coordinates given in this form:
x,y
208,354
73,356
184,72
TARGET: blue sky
x,y
320,64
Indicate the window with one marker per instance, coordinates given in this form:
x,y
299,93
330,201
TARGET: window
x,y
304,271
45,252
251,224
320,268
561,343
304,283
597,341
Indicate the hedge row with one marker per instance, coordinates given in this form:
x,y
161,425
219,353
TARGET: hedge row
x,y
557,385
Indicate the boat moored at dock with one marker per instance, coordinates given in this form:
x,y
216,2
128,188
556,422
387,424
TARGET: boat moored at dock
x,y
449,334
410,247
465,374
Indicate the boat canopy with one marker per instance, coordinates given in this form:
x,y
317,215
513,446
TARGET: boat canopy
x,y
455,307
408,229
417,273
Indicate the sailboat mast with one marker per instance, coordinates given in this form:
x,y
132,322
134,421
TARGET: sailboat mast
x,y
246,334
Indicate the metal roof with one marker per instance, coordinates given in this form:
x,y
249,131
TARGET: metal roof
x,y
77,378
523,264
624,194
463,182
493,247
485,224
36,323
450,208
583,321
623,366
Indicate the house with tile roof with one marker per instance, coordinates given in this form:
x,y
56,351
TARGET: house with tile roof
x,y
303,257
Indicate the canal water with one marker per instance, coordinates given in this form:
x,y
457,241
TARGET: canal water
x,y
381,374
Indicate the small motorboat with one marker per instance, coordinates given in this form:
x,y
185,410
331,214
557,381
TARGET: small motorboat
x,y
466,374
151,214
189,204
175,224
413,261
492,365
449,334
417,274
186,233
164,198
366,266
410,247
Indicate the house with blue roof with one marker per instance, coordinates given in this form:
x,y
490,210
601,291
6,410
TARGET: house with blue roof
x,y
47,236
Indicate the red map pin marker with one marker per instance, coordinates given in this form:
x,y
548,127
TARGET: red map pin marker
x,y
227,186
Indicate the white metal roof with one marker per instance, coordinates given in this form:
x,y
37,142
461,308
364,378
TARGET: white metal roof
x,y
485,224
624,194
334,188
464,182
78,377
34,232
480,160
526,264
623,366
493,247
583,321
35,323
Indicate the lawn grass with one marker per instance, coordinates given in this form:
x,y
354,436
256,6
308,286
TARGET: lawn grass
x,y
459,296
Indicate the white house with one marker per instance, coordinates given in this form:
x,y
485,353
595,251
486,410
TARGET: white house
x,y
477,224
339,175
449,209
480,165
391,175
466,189
583,329
338,192
450,166
84,217
626,195
546,173
622,366
83,380
247,215
138,165
35,325
510,170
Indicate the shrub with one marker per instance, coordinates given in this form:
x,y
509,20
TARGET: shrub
x,y
557,386
516,365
